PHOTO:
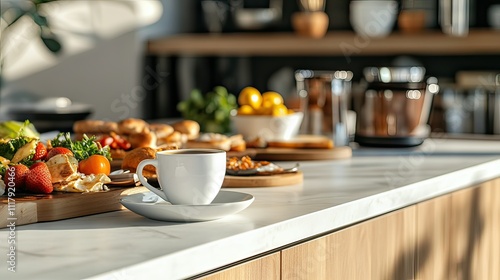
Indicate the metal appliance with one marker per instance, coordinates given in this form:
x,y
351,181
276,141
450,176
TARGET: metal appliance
x,y
394,107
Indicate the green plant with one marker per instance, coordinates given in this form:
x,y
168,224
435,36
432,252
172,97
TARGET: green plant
x,y
212,110
13,11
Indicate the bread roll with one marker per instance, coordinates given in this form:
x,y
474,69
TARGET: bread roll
x,y
188,127
210,141
85,126
132,126
142,139
134,157
174,137
238,144
161,130
117,153
94,127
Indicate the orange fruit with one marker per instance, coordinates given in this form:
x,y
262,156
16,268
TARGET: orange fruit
x,y
272,97
95,164
250,96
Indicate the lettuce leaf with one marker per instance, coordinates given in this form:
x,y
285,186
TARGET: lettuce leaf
x,y
14,129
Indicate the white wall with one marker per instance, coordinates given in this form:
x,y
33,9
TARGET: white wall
x,y
107,75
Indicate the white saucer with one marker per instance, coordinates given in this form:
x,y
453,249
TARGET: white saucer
x,y
150,206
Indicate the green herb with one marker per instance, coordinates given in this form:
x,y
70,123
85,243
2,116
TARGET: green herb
x,y
14,129
81,149
9,147
3,168
212,110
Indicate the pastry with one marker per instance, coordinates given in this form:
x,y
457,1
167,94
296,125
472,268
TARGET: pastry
x,y
132,126
218,141
142,139
96,128
238,144
165,135
134,157
161,130
188,127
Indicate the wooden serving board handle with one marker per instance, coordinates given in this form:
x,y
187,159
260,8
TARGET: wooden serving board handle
x,y
20,213
71,205
57,206
263,181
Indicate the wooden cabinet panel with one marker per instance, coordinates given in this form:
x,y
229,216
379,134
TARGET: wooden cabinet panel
x,y
267,267
470,239
433,243
494,230
458,235
381,248
455,236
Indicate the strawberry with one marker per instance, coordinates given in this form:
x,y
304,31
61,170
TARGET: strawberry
x,y
40,152
38,179
58,150
15,176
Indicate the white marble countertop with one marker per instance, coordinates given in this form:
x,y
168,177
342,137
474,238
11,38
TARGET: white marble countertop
x,y
334,194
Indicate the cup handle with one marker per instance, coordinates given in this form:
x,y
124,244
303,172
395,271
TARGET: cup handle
x,y
144,181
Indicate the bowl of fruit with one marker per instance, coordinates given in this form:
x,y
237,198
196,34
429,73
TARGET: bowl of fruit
x,y
264,116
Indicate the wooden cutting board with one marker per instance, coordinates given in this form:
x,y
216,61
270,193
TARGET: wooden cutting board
x,y
32,208
263,181
304,141
294,154
290,154
302,147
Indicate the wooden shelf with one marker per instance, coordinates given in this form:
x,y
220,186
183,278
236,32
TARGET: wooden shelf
x,y
335,43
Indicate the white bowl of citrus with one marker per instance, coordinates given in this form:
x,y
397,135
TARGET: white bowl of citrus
x,y
264,116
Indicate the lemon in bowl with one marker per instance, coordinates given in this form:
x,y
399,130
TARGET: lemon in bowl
x,y
250,96
264,116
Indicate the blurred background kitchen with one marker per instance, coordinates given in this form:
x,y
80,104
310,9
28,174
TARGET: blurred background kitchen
x,y
120,59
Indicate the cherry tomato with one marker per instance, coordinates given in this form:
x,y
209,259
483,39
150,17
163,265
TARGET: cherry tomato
x,y
106,141
125,145
95,164
120,142
114,141
114,145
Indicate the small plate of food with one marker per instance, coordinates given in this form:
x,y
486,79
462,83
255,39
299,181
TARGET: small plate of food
x,y
245,172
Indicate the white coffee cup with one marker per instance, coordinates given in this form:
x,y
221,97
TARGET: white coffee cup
x,y
187,176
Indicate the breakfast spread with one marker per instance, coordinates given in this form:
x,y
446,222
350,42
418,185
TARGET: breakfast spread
x,y
29,165
129,134
132,133
81,162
